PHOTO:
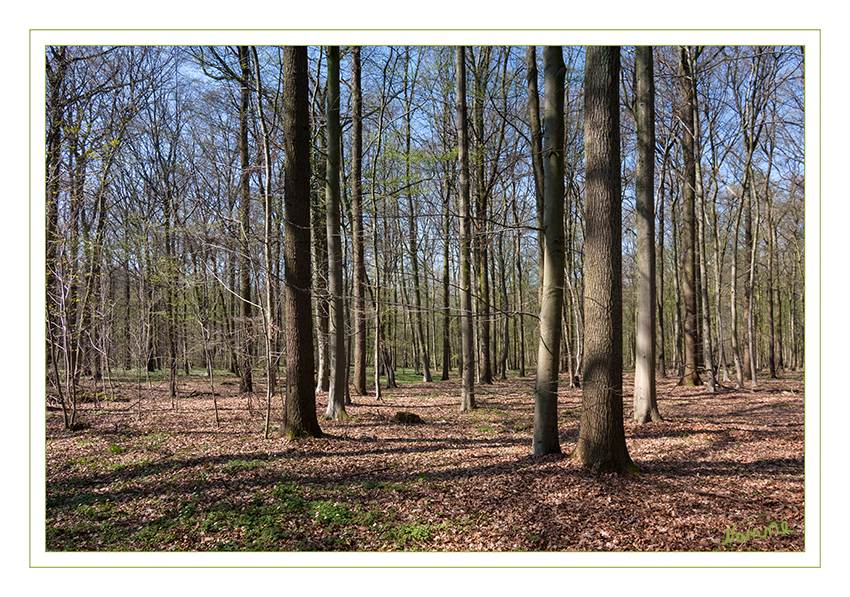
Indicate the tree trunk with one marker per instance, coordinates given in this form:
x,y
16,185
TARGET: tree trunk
x,y
601,444
536,152
645,403
336,332
269,324
246,382
413,229
690,376
318,217
468,347
702,222
545,440
480,238
519,292
359,281
300,406
447,346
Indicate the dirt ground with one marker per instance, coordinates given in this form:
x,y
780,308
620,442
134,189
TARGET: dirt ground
x,y
722,472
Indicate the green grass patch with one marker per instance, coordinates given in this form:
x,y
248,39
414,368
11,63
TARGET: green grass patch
x,y
331,514
238,466
407,534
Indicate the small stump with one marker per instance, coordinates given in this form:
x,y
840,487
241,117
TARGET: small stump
x,y
406,418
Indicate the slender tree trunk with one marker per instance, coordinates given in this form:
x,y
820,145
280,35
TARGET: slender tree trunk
x,y
480,239
545,440
519,293
246,382
718,257
357,240
336,332
503,360
413,229
733,301
702,222
447,346
689,271
468,347
56,67
269,323
601,444
645,403
771,236
300,406
322,300
749,287
536,153
661,359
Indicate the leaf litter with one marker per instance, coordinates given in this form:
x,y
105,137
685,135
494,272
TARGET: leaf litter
x,y
714,474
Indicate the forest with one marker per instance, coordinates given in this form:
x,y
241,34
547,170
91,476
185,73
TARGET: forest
x,y
437,298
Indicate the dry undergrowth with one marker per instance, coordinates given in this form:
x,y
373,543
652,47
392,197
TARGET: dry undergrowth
x,y
715,474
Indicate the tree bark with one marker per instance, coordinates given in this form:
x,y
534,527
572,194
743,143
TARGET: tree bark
x,y
246,382
413,228
690,376
545,440
300,406
269,323
336,330
359,281
536,152
480,240
601,445
645,402
468,347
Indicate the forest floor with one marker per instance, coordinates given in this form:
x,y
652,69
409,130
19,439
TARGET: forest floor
x,y
715,474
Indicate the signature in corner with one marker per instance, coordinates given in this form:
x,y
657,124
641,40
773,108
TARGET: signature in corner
x,y
735,536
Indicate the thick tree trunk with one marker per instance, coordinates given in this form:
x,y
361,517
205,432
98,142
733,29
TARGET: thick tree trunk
x,y
601,444
300,406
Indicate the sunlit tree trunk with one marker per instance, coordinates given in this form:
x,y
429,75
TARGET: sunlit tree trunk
x,y
645,403
601,443
357,240
545,440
